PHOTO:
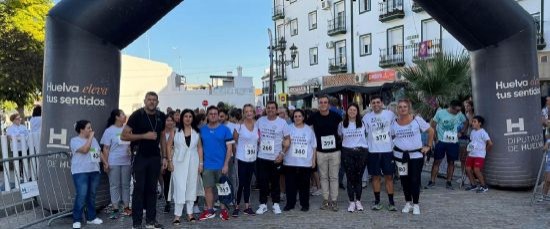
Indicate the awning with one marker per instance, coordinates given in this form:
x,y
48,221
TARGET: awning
x,y
360,89
300,97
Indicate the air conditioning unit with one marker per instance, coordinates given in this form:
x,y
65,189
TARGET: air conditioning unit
x,y
330,44
325,4
359,78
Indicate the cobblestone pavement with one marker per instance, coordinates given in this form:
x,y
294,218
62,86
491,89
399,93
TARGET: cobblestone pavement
x,y
441,208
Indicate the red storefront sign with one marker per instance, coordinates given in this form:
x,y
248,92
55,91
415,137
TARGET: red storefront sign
x,y
385,75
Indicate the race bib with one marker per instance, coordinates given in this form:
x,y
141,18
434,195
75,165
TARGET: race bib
x,y
94,154
402,168
299,151
470,147
121,142
223,189
450,136
250,151
328,142
381,137
268,146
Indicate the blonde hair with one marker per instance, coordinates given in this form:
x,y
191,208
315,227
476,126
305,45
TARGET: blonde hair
x,y
408,102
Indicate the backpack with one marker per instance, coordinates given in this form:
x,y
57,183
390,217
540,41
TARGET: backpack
x,y
225,190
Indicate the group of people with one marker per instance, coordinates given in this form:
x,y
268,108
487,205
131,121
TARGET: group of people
x,y
196,158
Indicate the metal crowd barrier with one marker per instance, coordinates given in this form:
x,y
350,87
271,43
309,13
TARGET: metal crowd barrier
x,y
23,206
538,195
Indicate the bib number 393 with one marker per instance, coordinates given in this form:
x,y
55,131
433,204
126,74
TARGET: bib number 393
x,y
299,151
402,168
223,189
267,146
328,142
94,154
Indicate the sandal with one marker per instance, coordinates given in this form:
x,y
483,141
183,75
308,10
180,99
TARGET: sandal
x,y
176,222
192,220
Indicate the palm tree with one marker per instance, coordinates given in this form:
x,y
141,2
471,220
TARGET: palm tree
x,y
432,83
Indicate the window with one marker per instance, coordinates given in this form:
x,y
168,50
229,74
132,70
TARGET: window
x,y
365,45
340,52
395,40
313,57
364,6
296,62
280,32
312,20
431,30
294,27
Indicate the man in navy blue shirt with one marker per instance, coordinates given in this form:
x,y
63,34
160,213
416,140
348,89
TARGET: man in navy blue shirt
x,y
216,142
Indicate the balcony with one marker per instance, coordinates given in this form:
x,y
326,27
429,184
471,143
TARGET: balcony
x,y
337,26
426,50
417,8
390,10
278,12
392,57
337,65
541,43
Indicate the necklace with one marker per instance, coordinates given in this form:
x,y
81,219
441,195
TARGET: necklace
x,y
151,124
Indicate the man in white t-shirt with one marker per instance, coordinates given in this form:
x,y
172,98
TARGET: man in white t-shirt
x,y
274,143
380,161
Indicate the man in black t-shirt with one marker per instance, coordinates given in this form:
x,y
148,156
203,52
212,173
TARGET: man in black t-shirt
x,y
144,129
325,125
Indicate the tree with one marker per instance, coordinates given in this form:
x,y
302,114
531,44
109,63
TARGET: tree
x,y
22,34
433,83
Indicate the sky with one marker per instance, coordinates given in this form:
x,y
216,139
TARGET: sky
x,y
211,37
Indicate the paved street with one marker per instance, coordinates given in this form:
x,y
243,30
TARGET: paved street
x,y
441,208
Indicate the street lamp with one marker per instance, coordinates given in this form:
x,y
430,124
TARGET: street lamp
x,y
293,53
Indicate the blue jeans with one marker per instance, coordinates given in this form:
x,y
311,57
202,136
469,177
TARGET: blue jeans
x,y
86,188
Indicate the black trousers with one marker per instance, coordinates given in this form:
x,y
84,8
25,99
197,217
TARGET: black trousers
x,y
297,180
146,172
354,162
411,182
268,180
166,178
245,172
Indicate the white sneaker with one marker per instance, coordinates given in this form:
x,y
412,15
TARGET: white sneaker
x,y
96,221
77,225
359,206
364,184
261,209
276,209
407,208
317,192
351,207
196,209
416,209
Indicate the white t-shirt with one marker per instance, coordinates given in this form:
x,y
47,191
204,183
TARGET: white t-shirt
x,y
247,144
378,131
83,163
478,142
408,137
231,126
353,137
118,149
302,144
19,132
271,137
36,124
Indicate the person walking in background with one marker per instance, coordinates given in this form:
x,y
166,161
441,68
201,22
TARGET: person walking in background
x,y
144,129
409,152
325,125
117,163
298,162
85,158
353,132
185,161
36,119
246,138
165,174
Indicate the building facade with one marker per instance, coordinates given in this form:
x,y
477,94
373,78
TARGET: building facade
x,y
364,42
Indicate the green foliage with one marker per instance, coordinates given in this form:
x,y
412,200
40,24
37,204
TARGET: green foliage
x,y
22,33
435,82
